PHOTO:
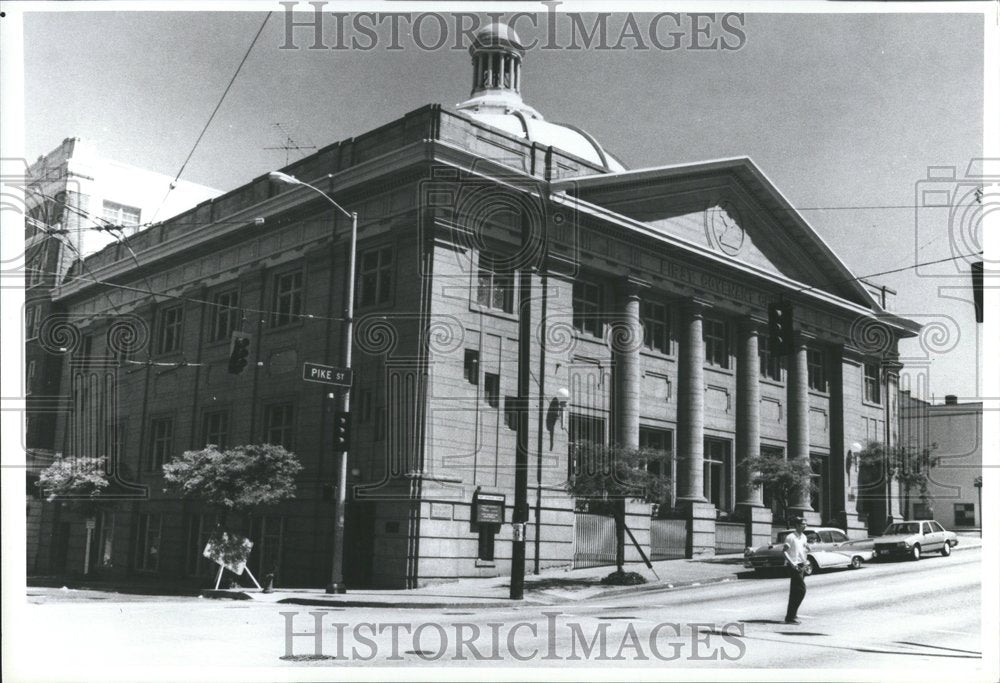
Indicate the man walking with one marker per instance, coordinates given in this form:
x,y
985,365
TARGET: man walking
x,y
796,550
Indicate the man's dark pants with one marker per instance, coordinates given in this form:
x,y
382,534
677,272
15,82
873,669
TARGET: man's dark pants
x,y
796,591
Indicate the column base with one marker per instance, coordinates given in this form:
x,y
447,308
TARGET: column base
x,y
853,524
700,517
758,520
812,517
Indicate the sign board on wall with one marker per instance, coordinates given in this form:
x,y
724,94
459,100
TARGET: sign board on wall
x,y
488,508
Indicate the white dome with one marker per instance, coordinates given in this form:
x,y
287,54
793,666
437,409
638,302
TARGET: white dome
x,y
496,53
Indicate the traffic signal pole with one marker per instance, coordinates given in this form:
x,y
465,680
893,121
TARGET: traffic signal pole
x,y
344,408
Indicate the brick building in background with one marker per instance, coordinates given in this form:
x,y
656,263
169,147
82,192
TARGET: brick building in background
x,y
643,292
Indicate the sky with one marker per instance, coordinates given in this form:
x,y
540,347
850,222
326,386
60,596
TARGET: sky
x,y
843,112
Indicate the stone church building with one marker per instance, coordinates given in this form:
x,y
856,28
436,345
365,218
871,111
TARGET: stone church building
x,y
640,295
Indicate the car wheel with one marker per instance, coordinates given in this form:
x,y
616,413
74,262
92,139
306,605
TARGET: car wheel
x,y
946,549
855,562
915,553
811,567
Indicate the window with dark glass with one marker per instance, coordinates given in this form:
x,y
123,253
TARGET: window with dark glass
x,y
471,367
279,424
820,494
495,288
768,496
491,387
215,428
965,514
375,277
148,545
587,308
226,315
161,441
716,337
171,327
770,364
873,387
287,305
659,440
816,361
655,327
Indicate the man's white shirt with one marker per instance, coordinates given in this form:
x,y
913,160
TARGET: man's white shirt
x,y
797,548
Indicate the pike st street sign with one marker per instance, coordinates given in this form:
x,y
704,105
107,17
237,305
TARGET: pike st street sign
x,y
327,374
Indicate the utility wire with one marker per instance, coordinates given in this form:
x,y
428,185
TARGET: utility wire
x,y
214,112
888,272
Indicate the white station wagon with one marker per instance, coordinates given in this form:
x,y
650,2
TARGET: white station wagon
x,y
828,547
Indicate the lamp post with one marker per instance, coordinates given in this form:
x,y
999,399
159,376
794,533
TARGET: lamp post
x,y
344,395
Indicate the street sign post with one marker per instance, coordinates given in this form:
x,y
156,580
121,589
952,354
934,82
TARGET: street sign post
x,y
327,374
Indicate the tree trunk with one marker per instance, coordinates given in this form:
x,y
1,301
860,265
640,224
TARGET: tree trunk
x,y
620,533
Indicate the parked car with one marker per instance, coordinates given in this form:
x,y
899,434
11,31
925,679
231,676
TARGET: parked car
x,y
914,539
828,547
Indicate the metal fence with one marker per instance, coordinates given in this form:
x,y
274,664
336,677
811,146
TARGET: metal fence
x,y
667,538
730,537
595,541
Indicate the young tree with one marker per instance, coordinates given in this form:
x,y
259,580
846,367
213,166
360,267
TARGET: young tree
x,y
610,475
236,480
910,467
784,478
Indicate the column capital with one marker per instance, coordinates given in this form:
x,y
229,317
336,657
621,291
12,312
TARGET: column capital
x,y
753,324
632,286
695,305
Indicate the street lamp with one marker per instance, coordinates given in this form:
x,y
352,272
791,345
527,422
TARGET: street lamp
x,y
344,396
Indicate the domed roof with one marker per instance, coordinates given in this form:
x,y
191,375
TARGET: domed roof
x,y
497,52
496,34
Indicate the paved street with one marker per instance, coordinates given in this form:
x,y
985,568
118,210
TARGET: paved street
x,y
902,615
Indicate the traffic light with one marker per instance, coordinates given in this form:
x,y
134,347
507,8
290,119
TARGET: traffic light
x,y
239,352
341,431
779,319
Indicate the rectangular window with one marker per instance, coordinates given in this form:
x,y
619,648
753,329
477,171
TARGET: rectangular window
x,y
32,321
215,428
585,429
171,326
471,367
279,423
715,334
105,543
873,387
287,305
770,501
199,531
29,378
268,542
816,360
655,327
495,289
226,314
491,387
770,364
148,542
718,482
510,412
587,309
120,214
965,514
660,440
161,434
820,495
375,277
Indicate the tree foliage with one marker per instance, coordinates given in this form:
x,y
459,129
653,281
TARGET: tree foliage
x,y
237,479
783,477
908,466
77,482
607,476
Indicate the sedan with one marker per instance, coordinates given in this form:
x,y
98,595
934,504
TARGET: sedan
x,y
828,547
914,539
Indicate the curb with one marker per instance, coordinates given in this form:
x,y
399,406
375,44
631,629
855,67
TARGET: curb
x,y
223,594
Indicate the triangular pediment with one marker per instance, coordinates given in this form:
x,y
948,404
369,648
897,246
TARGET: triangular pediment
x,y
730,208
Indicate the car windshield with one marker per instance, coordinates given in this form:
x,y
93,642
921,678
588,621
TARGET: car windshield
x,y
908,528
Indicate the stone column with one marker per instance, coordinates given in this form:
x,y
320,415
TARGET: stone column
x,y
626,341
691,406
747,414
798,416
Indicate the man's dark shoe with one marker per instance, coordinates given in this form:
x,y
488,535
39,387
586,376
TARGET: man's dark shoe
x,y
792,621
